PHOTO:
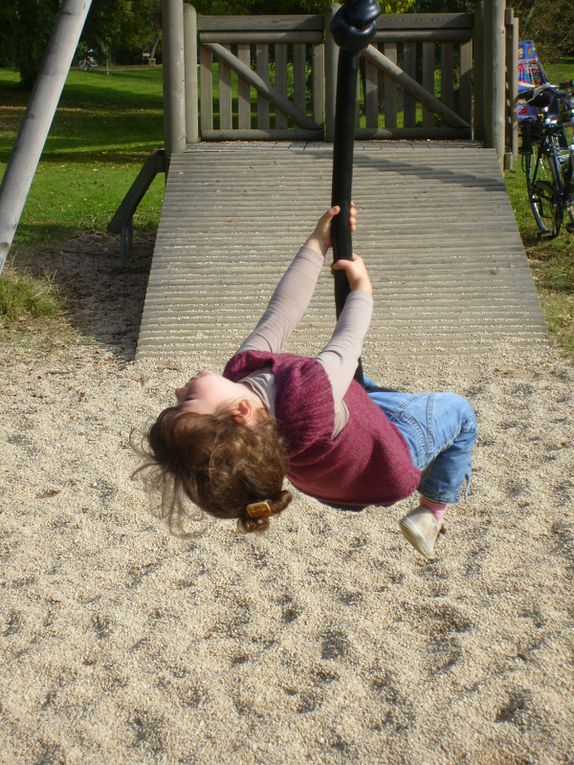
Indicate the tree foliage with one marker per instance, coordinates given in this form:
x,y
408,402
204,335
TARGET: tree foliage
x,y
550,23
217,7
123,28
25,27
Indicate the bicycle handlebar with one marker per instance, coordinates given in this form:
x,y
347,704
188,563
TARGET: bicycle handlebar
x,y
531,94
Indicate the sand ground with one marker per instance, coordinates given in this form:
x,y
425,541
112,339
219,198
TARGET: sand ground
x,y
325,641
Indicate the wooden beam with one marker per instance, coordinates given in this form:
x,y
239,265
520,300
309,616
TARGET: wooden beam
x,y
266,38
259,23
191,94
414,88
497,33
173,78
153,165
512,81
423,35
282,103
433,133
256,134
479,117
425,21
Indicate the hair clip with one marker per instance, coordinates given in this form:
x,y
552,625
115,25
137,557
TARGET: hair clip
x,y
258,509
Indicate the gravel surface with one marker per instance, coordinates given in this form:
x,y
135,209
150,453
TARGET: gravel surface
x,y
326,640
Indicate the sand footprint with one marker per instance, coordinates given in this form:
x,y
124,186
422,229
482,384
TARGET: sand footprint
x,y
517,710
102,626
392,709
334,645
12,624
564,538
149,732
351,598
443,624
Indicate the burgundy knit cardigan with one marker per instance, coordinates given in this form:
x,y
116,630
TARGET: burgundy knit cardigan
x,y
368,463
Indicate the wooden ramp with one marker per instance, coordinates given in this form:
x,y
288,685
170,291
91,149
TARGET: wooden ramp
x,y
436,228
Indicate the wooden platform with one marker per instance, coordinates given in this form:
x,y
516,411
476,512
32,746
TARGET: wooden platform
x,y
436,228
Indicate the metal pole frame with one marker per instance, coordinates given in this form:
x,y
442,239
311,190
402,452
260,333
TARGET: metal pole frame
x,y
353,27
36,124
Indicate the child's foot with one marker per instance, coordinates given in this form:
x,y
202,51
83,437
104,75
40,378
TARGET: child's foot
x,y
421,529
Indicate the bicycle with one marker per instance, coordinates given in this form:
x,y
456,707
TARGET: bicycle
x,y
547,150
89,62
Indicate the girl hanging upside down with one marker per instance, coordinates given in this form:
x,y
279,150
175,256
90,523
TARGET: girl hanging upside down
x,y
231,439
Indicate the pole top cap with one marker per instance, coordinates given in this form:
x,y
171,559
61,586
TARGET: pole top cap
x,y
353,26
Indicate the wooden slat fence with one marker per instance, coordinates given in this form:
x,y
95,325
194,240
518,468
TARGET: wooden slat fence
x,y
417,77
261,77
274,77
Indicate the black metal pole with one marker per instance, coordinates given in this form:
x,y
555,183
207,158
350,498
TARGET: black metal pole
x,y
353,27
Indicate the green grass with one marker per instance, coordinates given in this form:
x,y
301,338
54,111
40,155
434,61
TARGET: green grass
x,y
104,128
23,296
561,71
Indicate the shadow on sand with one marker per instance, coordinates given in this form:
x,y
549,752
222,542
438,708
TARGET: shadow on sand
x,y
103,296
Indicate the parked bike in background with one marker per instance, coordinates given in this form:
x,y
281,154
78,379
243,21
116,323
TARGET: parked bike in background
x,y
547,151
89,62
546,120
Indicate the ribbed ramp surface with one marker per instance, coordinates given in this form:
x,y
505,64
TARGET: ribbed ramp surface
x,y
436,228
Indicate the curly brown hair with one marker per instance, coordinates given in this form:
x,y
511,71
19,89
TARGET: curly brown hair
x,y
221,465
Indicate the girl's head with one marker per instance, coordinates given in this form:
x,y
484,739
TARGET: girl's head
x,y
222,452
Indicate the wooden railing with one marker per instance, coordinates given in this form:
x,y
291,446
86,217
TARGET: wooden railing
x,y
274,77
417,77
261,77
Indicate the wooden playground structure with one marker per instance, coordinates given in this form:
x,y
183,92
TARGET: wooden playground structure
x,y
249,108
424,76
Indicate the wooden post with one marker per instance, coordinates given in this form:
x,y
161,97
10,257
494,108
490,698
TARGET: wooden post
x,y
190,52
331,63
495,79
173,78
511,87
487,73
479,72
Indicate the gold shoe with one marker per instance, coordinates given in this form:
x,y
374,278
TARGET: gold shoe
x,y
421,529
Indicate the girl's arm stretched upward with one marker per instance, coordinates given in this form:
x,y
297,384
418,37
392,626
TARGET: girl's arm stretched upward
x,y
341,354
295,290
288,303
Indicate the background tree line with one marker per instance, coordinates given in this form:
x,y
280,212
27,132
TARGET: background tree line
x,y
122,29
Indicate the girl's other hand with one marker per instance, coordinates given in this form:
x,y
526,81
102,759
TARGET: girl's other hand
x,y
320,239
357,274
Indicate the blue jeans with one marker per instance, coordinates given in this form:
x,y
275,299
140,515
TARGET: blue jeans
x,y
440,430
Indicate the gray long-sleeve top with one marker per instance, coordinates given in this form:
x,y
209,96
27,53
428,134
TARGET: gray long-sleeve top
x,y
286,309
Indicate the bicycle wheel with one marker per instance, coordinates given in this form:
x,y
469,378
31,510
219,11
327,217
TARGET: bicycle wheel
x,y
566,157
544,184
